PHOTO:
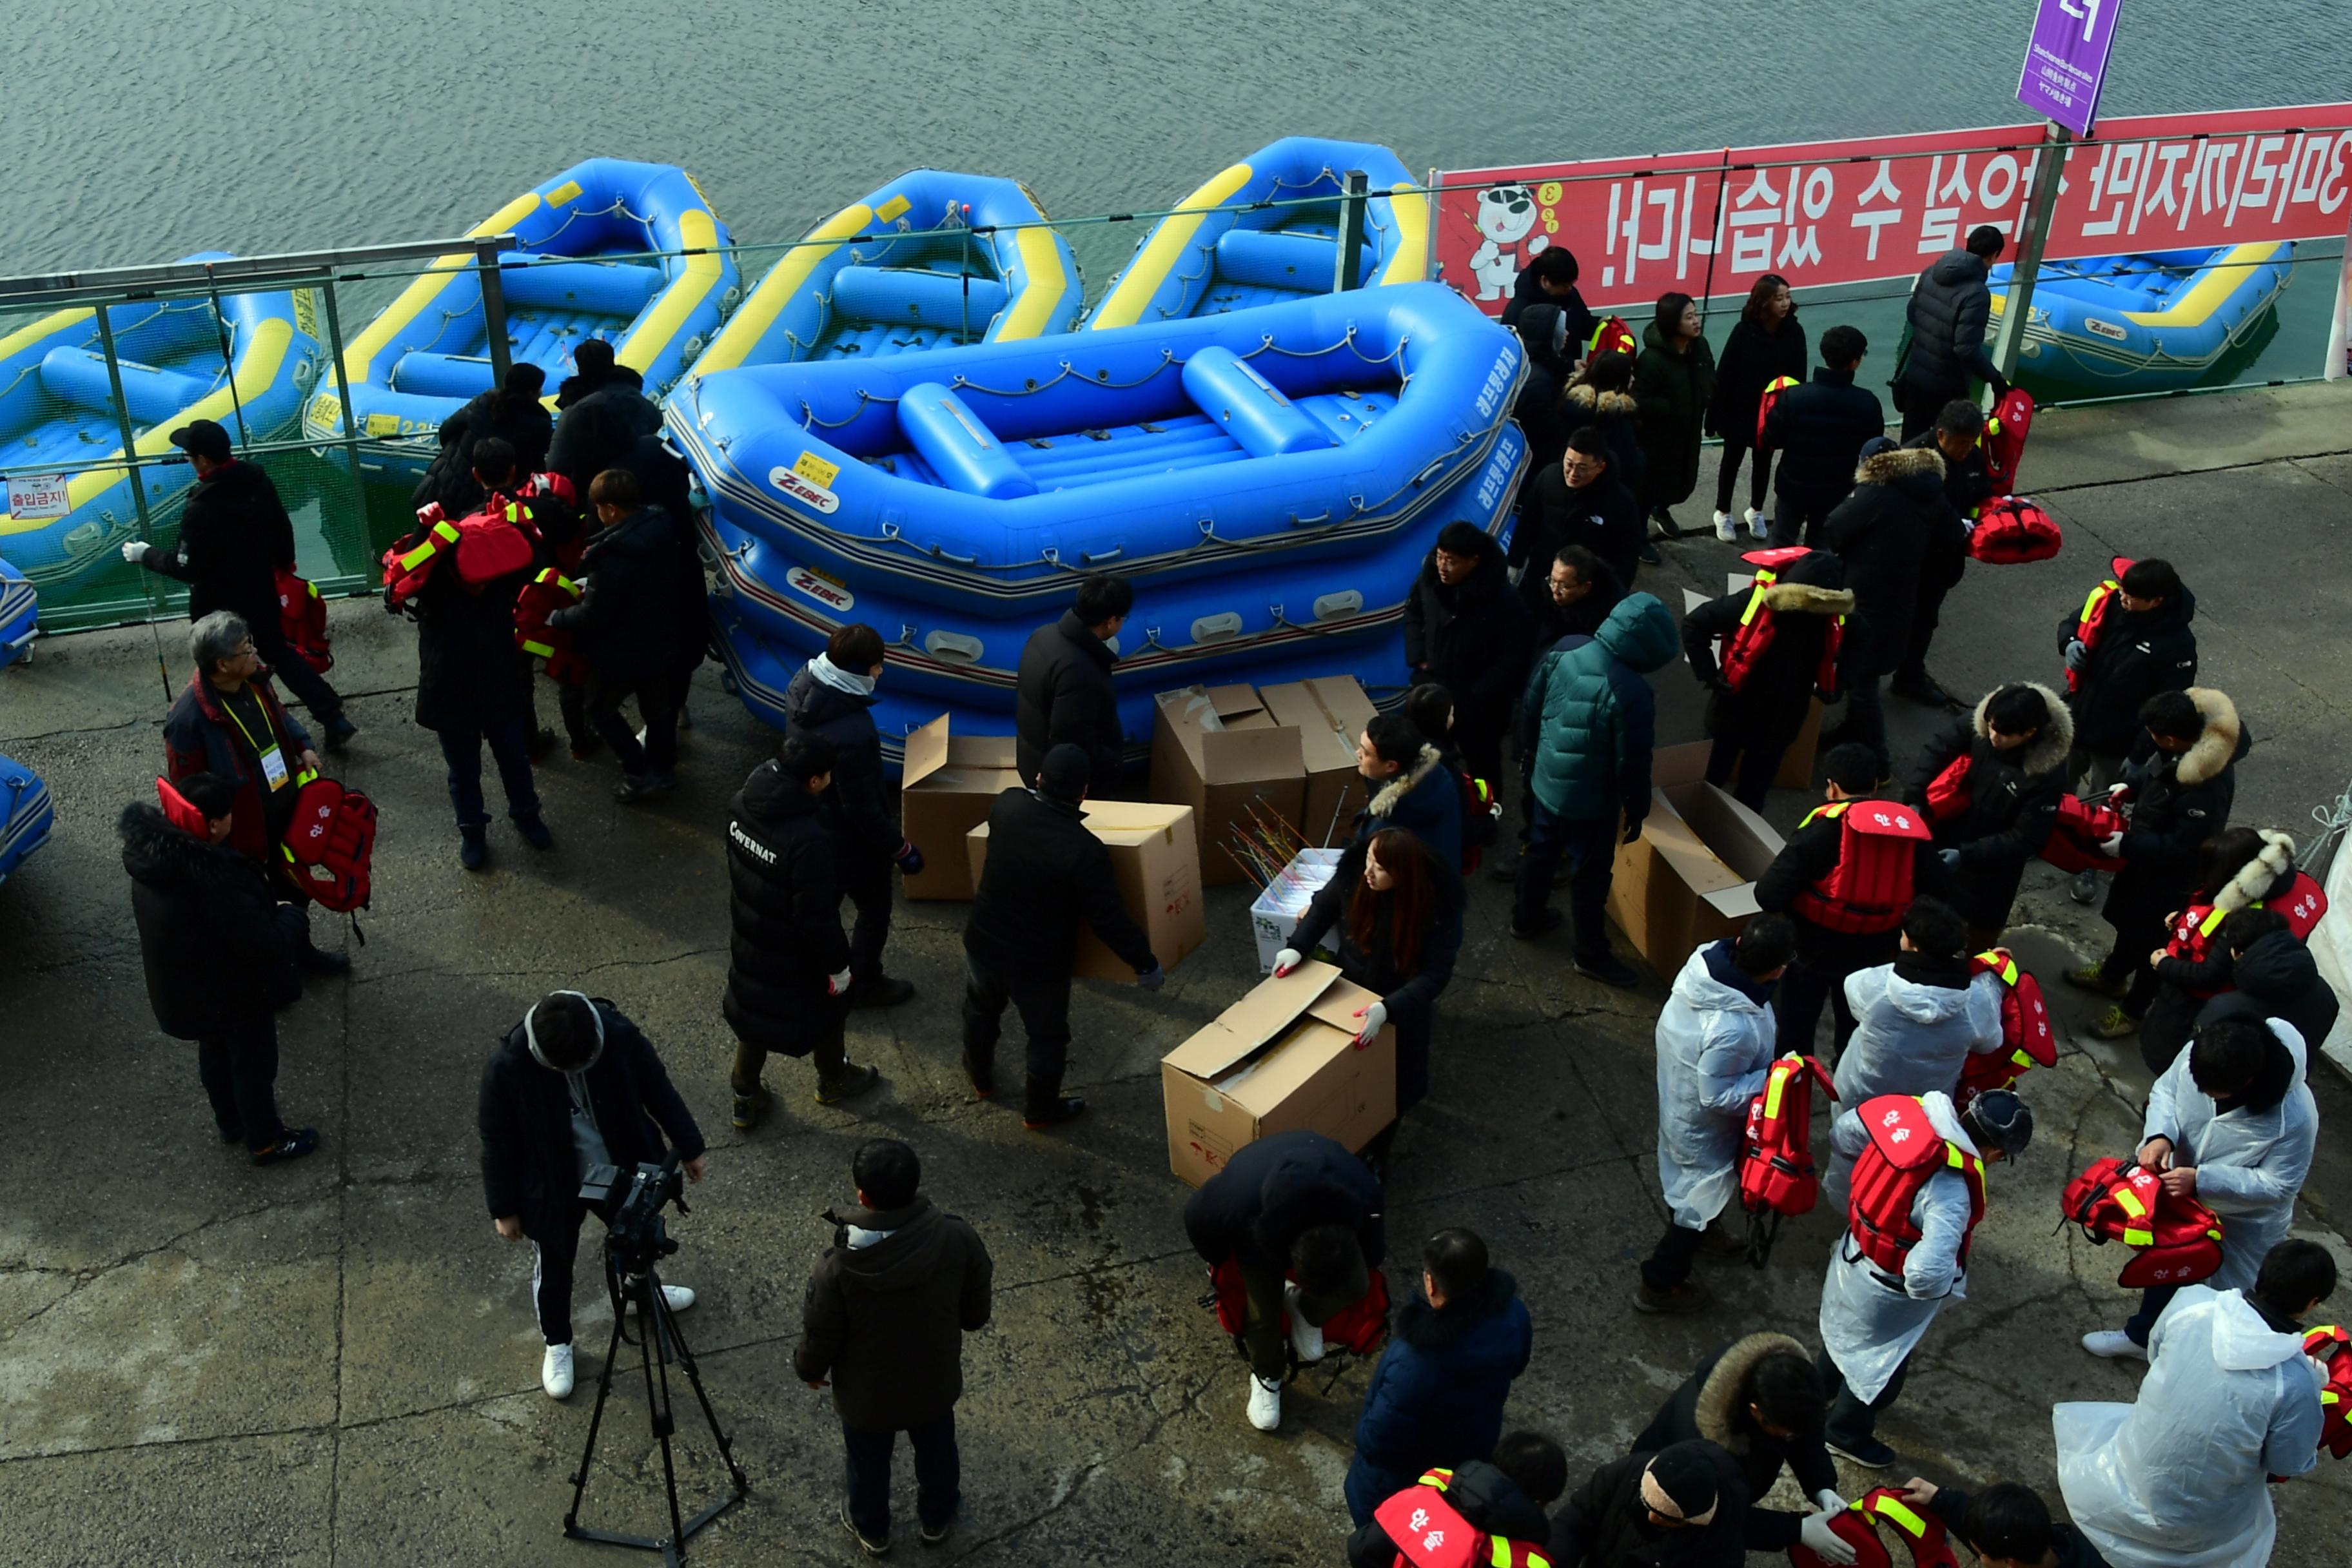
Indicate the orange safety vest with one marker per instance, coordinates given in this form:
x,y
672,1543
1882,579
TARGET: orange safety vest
x,y
2174,1241
1772,391
1746,646
2328,1344
1429,1532
1776,1162
1870,887
1904,1152
544,594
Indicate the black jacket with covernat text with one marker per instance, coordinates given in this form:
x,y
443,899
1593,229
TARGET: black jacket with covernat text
x,y
1045,873
783,915
210,940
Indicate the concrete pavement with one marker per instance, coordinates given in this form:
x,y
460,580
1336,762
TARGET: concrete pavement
x,y
334,1362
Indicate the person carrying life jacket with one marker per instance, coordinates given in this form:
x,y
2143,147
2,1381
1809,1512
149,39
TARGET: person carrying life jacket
x,y
2169,1239
2132,639
1475,1515
2006,1525
1777,1176
2244,868
1848,917
1989,786
1918,1195
1860,1529
2027,1039
1957,438
1779,640
494,540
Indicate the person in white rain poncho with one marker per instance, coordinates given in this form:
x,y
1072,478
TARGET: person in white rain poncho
x,y
1716,1038
2232,1123
2178,1477
1919,1193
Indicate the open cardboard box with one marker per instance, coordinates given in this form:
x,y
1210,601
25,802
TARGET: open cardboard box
x,y
946,788
1218,750
1157,866
1330,711
1691,876
1282,1058
1797,762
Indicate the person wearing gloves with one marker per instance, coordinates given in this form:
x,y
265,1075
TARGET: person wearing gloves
x,y
1467,631
1918,1193
1436,1397
1299,1217
1504,1500
1586,727
787,960
1682,1507
1714,1039
2006,1525
1989,786
2144,645
1755,726
1399,925
1760,1400
2179,1478
1045,872
1949,310
832,696
1881,531
2232,1123
574,1086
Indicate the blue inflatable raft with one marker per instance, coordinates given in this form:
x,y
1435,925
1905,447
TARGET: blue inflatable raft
x,y
1222,250
58,414
25,815
929,260
582,271
2148,322
19,613
1270,479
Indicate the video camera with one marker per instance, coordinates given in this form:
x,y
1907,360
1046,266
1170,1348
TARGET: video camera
x,y
638,1238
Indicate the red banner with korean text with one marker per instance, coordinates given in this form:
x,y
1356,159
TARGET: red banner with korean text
x,y
1862,210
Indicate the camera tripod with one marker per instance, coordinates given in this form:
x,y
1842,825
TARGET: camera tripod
x,y
662,1343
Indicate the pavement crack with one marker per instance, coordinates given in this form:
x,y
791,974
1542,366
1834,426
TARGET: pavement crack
x,y
85,1278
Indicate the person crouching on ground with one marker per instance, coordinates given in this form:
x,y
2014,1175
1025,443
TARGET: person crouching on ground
x,y
1760,1399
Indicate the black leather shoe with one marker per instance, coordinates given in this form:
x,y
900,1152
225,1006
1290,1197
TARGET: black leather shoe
x,y
1063,1108
1923,690
310,961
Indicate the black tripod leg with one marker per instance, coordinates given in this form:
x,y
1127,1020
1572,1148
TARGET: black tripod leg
x,y
694,1378
660,1330
595,1420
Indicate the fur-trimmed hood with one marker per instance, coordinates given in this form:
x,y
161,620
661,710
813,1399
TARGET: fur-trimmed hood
x,y
1610,404
1721,1413
1900,463
162,856
2217,746
1391,795
2046,753
1805,599
2256,877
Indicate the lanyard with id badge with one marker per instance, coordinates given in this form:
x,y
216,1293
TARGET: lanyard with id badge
x,y
273,761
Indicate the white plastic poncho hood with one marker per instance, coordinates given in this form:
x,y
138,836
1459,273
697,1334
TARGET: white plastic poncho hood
x,y
1912,1037
1714,1044
2249,1164
2177,1479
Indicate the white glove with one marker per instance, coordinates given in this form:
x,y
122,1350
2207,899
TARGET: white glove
x,y
1829,1499
836,984
2112,844
133,551
1288,959
2116,791
1813,1531
1374,1016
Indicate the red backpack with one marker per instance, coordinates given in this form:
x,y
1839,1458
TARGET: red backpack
x,y
1612,336
1758,626
2174,1241
1430,1532
544,596
496,539
2027,1040
2097,605
2006,428
1772,391
1947,792
1857,1524
1359,1329
2081,826
1870,887
330,843
302,620
1777,1178
2330,1346
2012,529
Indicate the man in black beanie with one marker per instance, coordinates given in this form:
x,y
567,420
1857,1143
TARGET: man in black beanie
x,y
1045,872
1685,1504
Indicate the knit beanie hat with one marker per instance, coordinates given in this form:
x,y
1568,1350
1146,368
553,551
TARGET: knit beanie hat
x,y
1066,773
1680,1483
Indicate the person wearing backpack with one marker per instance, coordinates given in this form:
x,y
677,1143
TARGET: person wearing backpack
x,y
1780,644
1715,1040
1431,708
1502,1502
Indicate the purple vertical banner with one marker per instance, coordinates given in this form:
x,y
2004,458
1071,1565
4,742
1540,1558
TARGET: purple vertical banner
x,y
2066,62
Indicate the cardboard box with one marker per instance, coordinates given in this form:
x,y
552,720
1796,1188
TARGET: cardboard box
x,y
1282,1058
1157,864
1691,876
1283,904
1797,762
1217,750
1330,712
946,788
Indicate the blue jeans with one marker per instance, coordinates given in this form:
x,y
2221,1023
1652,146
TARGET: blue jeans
x,y
1589,846
509,742
937,1476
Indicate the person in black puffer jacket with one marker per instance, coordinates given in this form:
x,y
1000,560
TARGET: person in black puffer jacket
x,y
218,949
512,413
2270,974
1957,438
1466,630
1063,693
599,430
2014,746
594,369
787,958
1767,343
1505,1501
1819,430
1542,419
1601,396
2144,645
1880,531
1673,383
1577,501
832,696
1611,1520
1760,1400
1550,279
1754,726
1951,307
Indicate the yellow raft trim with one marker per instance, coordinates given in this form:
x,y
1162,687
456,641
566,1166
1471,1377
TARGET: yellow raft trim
x,y
422,291
1409,210
646,340
1047,281
1123,306
767,302
56,322
2196,306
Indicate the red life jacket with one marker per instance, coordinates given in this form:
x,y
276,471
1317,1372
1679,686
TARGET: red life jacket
x,y
2012,529
1359,1328
1612,336
1758,624
497,538
181,812
1947,792
330,846
2081,826
2330,1345
1858,1524
1482,817
1870,886
2006,428
1772,391
2174,1241
1429,1532
1904,1152
544,596
1776,1161
302,620
2027,1040
2097,606
2191,938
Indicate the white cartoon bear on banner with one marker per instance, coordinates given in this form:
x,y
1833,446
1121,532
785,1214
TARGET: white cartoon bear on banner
x,y
1507,215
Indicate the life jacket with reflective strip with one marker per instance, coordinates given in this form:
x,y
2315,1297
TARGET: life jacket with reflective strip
x,y
330,845
1612,336
496,540
1758,624
544,594
1360,1327
2173,1240
2010,531
2081,828
1776,1160
2191,937
1772,391
302,620
1857,1524
181,812
1429,1532
2006,428
2027,1040
1947,792
1870,887
1904,1154
2098,605
2330,1345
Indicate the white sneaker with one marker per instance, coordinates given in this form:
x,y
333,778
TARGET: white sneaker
x,y
678,1297
1306,1339
2115,1344
1758,527
1725,529
555,1372
1265,1401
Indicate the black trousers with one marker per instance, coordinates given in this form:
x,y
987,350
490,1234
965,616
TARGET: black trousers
x,y
656,705
1044,1003
1759,473
1797,1004
831,1051
939,1475
1852,1422
2139,932
1589,846
290,671
1927,611
509,738
553,1256
1757,766
1670,1264
239,1064
1795,521
865,885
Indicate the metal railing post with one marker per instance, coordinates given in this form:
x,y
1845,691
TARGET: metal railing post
x,y
2010,335
350,436
122,422
1354,187
494,306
